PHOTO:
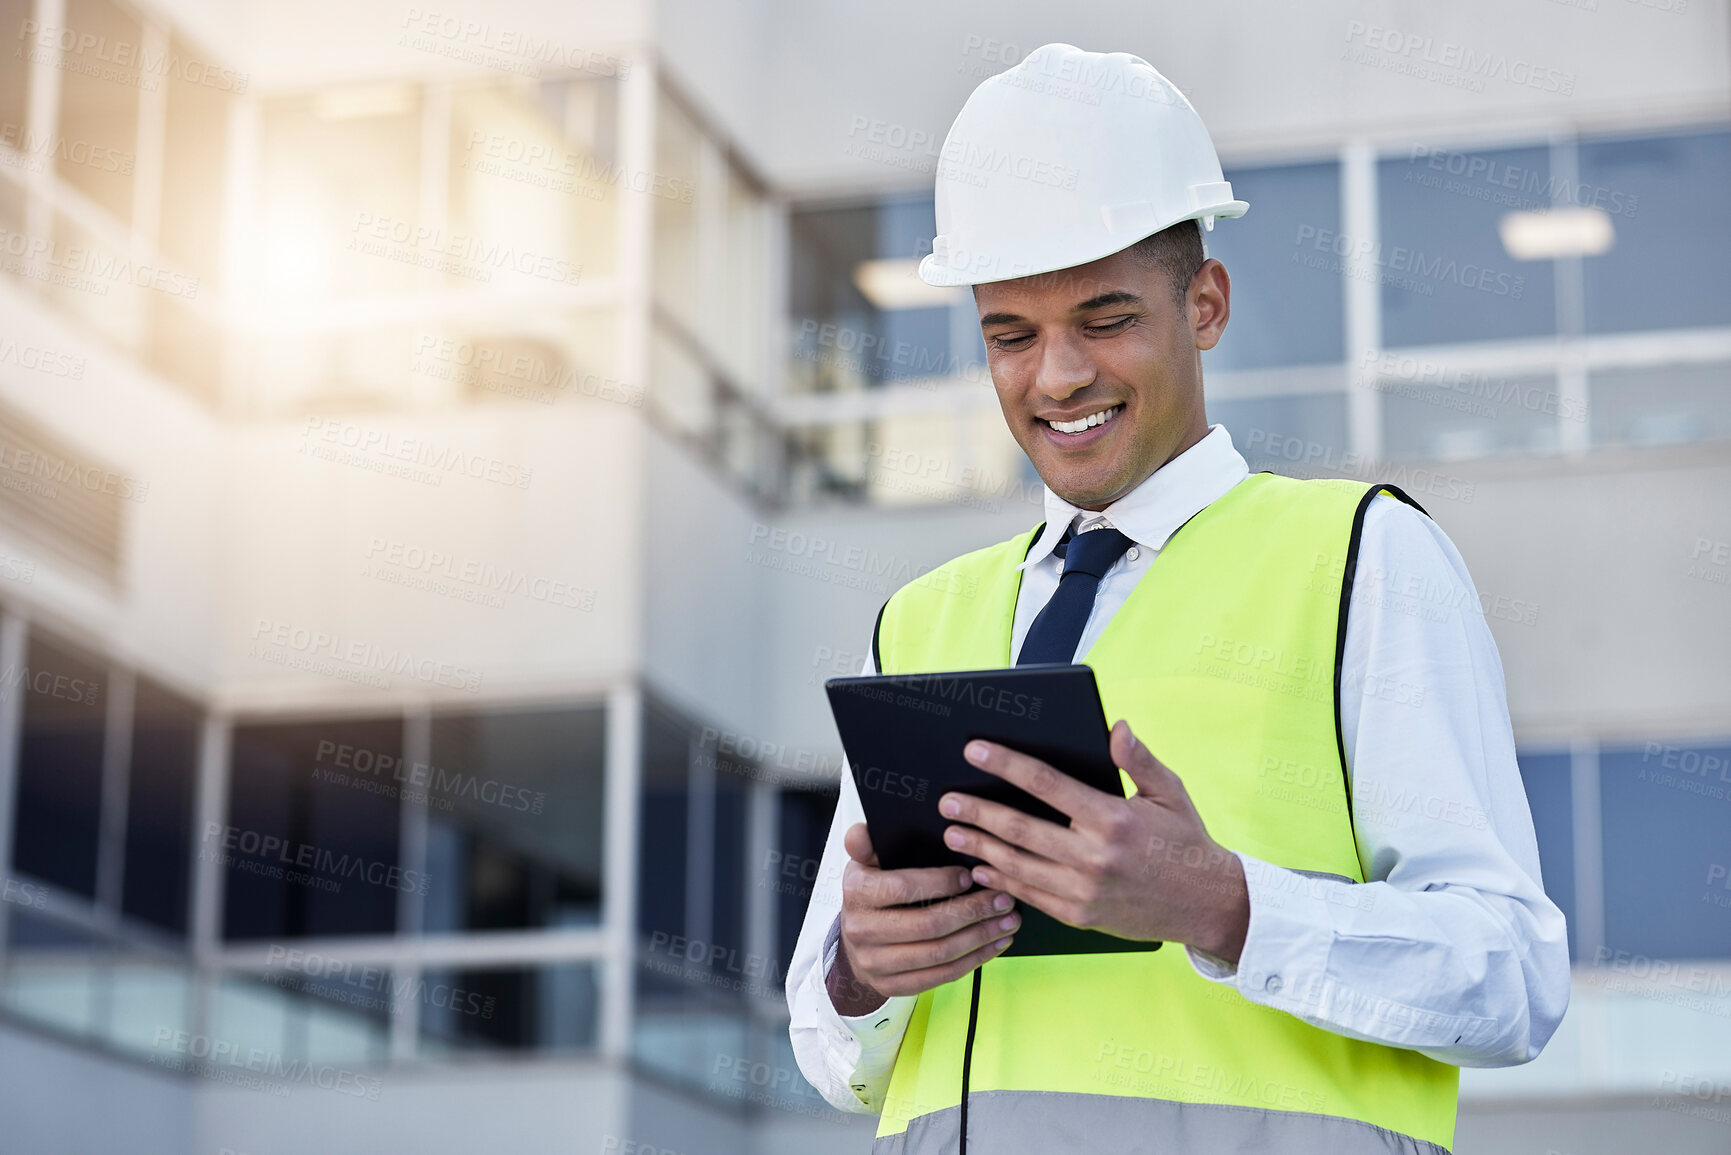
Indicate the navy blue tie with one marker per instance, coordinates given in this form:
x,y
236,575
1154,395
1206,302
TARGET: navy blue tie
x,y
1058,627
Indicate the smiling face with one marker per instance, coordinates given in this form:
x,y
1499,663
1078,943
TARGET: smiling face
x,y
1106,345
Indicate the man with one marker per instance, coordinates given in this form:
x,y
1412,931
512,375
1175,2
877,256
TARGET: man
x,y
1327,827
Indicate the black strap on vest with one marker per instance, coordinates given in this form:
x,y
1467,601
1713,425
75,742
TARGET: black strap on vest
x,y
1346,578
968,1054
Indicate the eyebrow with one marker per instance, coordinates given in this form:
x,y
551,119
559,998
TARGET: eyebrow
x,y
1115,297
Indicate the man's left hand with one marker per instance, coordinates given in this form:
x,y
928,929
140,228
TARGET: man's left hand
x,y
1141,868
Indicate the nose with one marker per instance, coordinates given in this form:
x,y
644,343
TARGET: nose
x,y
1064,368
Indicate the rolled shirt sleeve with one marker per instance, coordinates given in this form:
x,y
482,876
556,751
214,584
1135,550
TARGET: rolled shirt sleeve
x,y
1450,947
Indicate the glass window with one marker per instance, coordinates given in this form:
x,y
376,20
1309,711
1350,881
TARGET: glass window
x,y
1445,274
1661,404
194,160
97,149
550,1008
60,763
279,1024
678,258
1303,435
91,987
727,872
684,1026
743,324
1666,809
790,870
1287,299
683,393
532,206
159,806
1475,415
15,79
1665,196
1550,794
663,825
310,845
515,800
339,196
53,975
858,314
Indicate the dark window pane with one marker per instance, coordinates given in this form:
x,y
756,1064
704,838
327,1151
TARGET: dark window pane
x,y
159,806
1550,795
727,925
1666,200
791,869
97,149
1667,811
550,1008
662,824
515,803
1444,272
59,764
310,848
1303,435
1286,279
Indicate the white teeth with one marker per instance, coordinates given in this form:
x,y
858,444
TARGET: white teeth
x,y
1087,422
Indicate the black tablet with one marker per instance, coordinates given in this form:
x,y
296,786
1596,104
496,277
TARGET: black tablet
x,y
904,736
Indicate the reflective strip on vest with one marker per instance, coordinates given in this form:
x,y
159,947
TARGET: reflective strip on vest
x,y
1043,1122
1223,661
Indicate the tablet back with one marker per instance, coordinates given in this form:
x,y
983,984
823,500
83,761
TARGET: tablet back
x,y
904,736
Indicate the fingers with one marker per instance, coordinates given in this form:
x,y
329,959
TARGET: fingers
x,y
1060,908
879,926
1056,789
912,982
868,888
1056,878
1047,839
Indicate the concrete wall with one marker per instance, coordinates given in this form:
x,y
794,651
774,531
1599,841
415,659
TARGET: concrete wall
x,y
1626,640
331,526
116,416
540,1108
710,608
100,1105
1267,78
292,45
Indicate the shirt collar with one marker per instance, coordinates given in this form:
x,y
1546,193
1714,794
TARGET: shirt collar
x,y
1153,511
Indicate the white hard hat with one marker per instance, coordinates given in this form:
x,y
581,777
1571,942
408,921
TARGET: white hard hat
x,y
1068,157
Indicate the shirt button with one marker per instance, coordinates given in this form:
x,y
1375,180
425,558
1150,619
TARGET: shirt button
x,y
1132,553
1273,985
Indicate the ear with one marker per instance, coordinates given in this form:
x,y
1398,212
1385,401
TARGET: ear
x,y
1208,303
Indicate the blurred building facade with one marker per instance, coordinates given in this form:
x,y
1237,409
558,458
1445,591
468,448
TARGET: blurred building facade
x,y
443,454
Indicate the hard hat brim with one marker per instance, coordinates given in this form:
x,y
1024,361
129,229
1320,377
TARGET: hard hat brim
x,y
941,275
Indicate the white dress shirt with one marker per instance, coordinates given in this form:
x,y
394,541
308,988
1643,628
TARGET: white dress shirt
x,y
1449,947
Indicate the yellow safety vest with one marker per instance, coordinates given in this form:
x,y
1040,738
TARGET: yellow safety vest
x,y
1225,661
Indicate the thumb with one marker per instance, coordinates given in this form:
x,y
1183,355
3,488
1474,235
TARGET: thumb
x,y
858,844
1154,781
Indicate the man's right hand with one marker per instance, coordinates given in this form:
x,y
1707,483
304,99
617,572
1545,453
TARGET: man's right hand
x,y
888,948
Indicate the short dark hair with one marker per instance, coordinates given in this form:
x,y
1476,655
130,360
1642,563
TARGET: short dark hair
x,y
1177,250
